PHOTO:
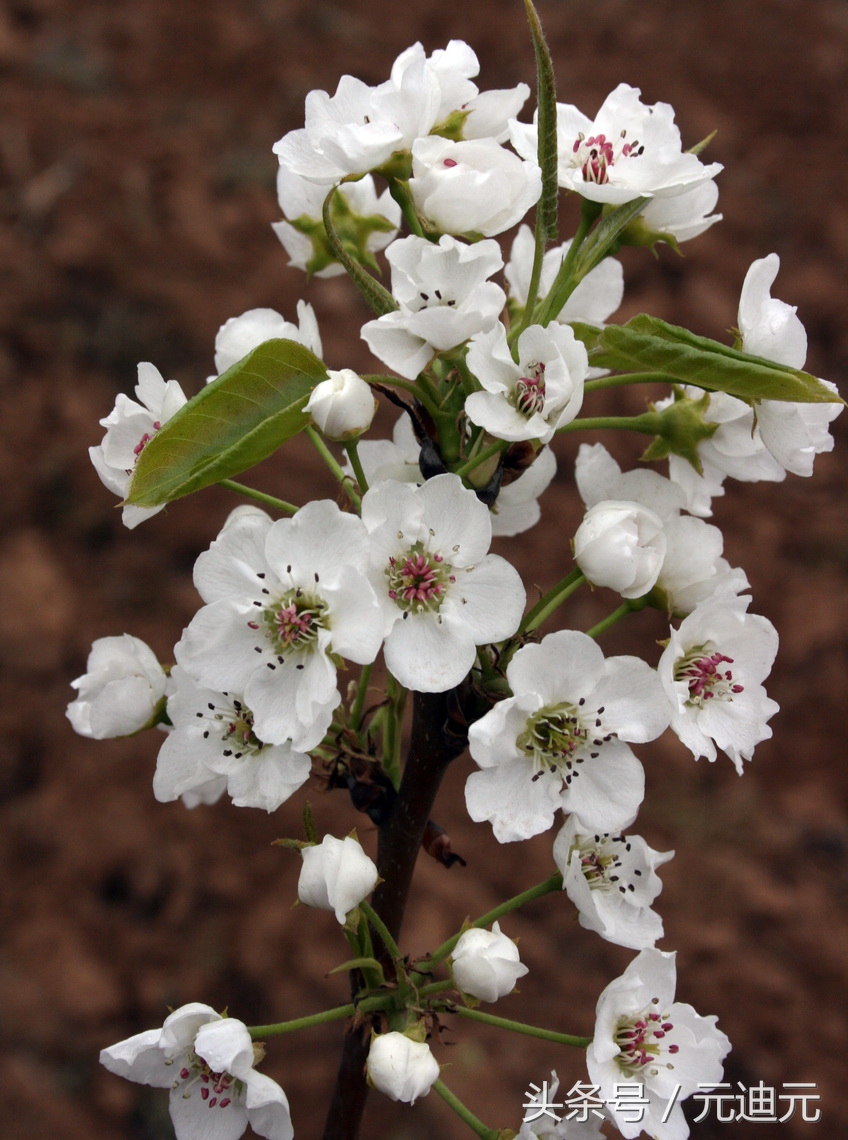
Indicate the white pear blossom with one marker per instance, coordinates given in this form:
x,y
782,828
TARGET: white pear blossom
x,y
643,1035
441,593
342,406
765,441
691,568
360,127
628,151
485,114
285,600
594,300
444,295
213,737
485,963
240,335
531,397
769,328
621,544
336,875
474,186
129,427
561,740
612,880
120,691
207,1061
302,203
712,672
683,216
401,1068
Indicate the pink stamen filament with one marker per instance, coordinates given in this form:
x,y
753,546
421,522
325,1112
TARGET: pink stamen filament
x,y
292,625
638,1040
706,680
530,390
145,439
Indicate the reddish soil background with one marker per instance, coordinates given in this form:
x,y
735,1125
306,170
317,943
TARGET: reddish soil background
x,y
135,209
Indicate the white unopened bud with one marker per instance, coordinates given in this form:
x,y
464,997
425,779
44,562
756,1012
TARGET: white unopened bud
x,y
401,1068
486,964
621,544
119,693
336,875
342,406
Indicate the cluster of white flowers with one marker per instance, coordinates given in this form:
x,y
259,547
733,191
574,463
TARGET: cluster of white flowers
x,y
491,373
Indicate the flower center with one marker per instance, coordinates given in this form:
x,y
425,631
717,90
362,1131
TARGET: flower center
x,y
556,739
640,1040
597,154
702,672
234,725
530,390
600,862
418,579
216,1090
293,621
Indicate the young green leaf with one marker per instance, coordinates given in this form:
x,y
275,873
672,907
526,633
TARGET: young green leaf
x,y
547,126
231,425
647,344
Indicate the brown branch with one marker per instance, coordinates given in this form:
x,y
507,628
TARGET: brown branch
x,y
437,738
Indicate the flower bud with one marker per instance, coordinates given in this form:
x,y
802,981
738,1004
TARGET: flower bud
x,y
342,406
486,964
621,544
119,693
336,875
401,1068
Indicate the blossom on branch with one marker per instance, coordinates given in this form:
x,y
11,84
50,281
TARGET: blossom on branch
x,y
207,1061
285,601
213,736
643,1036
533,396
485,964
475,186
120,691
240,335
129,427
712,672
612,880
561,741
440,592
401,1068
444,295
336,875
628,151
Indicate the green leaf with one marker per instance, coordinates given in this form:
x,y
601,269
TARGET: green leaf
x,y
546,125
647,344
359,964
232,424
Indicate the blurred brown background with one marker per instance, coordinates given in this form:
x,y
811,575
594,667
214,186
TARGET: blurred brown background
x,y
135,215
